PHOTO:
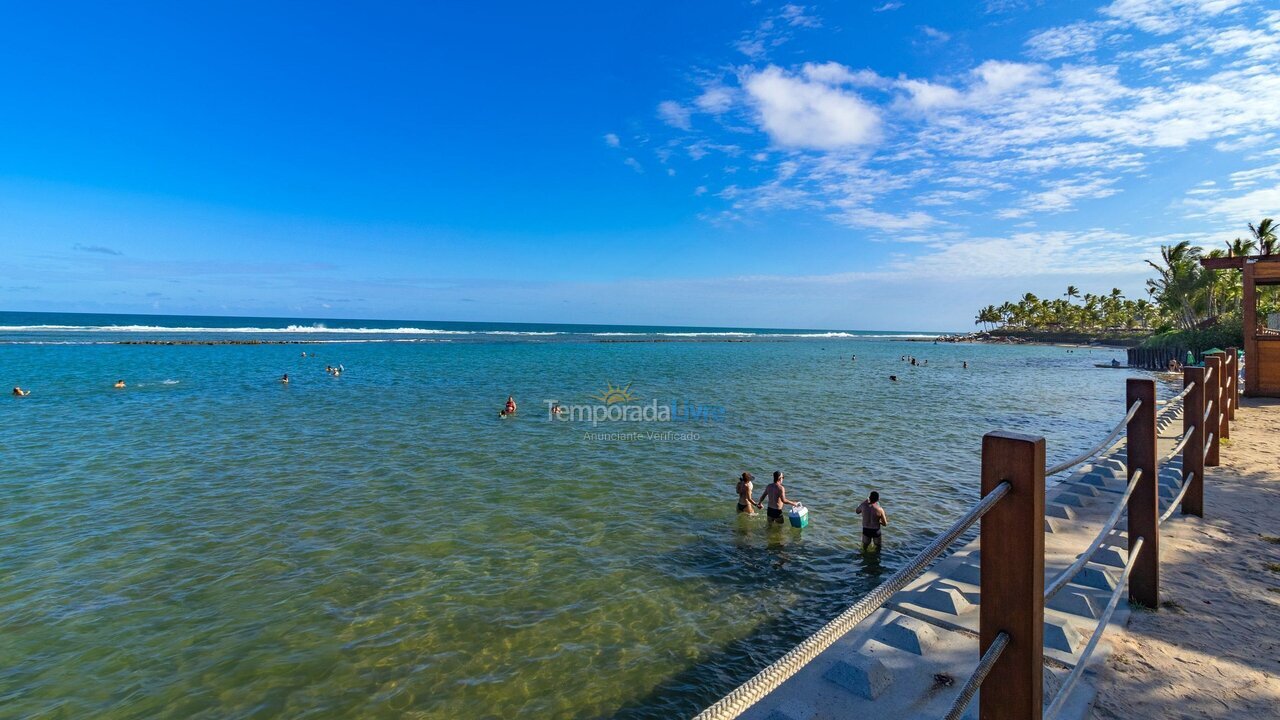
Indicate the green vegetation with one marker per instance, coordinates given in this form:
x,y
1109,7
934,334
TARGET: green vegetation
x,y
1189,307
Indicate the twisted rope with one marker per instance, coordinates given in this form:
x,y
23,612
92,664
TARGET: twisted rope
x,y
768,679
974,682
1064,692
1103,445
1208,445
1177,397
1063,578
1182,443
1168,512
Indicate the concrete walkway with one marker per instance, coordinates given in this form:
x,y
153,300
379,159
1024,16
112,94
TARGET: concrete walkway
x,y
1213,650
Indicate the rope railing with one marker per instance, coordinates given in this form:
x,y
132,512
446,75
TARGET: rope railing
x,y
1099,447
1064,578
1177,500
1064,692
1208,445
1208,409
980,673
1185,391
1182,443
768,679
1208,374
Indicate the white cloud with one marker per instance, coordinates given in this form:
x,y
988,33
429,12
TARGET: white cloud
x,y
934,33
1163,17
805,114
674,114
612,140
633,164
795,15
1035,253
887,222
715,99
887,7
1063,194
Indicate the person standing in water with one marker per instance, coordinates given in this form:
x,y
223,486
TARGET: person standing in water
x,y
777,496
511,405
873,518
745,489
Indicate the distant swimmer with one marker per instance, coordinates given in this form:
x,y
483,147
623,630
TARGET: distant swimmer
x,y
119,384
893,378
555,409
511,406
19,392
777,496
745,489
853,358
965,365
285,378
873,518
304,354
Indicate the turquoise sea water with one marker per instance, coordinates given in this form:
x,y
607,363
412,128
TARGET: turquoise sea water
x,y
211,543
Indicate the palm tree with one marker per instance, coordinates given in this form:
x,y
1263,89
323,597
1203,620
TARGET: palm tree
x,y
1265,235
1180,287
1072,292
1241,248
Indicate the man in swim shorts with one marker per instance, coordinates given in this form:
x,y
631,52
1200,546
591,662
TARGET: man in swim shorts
x,y
745,488
777,496
873,518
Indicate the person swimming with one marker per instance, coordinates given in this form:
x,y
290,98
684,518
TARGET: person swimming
x,y
285,378
556,409
19,392
510,409
119,384
893,378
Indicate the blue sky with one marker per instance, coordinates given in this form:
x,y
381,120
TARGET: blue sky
x,y
878,165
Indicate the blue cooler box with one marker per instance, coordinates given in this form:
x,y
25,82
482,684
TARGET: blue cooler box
x,y
799,516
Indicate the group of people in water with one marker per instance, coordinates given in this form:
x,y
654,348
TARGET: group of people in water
x,y
334,370
775,494
921,363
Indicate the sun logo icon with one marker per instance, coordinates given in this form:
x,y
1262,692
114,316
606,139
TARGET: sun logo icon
x,y
615,394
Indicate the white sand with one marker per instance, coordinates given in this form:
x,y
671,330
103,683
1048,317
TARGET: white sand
x,y
1213,649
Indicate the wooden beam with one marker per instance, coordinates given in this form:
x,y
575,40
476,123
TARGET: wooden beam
x,y
1235,263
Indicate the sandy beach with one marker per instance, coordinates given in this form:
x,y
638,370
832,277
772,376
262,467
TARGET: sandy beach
x,y
1213,649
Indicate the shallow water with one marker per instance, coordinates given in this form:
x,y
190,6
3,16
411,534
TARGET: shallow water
x,y
210,543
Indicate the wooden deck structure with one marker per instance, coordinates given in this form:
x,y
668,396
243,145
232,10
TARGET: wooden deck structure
x,y
1261,345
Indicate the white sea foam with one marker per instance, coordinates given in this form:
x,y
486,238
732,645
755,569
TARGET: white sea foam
x,y
320,329
291,329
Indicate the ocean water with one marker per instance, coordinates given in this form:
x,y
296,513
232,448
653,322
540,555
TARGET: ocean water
x,y
211,543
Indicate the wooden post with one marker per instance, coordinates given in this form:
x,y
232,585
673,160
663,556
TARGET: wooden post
x,y
1012,572
1213,403
1193,453
1224,392
1144,508
1249,317
1233,382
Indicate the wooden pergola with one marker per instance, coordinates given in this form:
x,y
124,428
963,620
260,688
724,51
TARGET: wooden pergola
x,y
1261,345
